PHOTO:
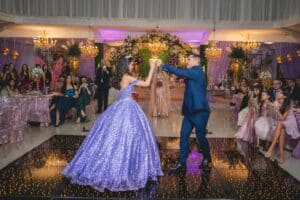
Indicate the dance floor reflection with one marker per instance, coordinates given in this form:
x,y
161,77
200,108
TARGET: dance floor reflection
x,y
239,172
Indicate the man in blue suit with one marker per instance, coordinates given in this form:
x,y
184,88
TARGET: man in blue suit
x,y
195,109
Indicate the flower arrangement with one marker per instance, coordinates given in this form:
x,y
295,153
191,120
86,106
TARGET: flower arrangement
x,y
37,72
265,75
139,48
266,78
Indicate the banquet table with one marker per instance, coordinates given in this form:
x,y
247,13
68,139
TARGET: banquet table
x,y
16,111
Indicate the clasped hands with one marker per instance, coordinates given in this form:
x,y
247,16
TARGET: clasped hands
x,y
154,62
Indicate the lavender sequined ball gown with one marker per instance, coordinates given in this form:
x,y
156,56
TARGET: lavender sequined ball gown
x,y
120,152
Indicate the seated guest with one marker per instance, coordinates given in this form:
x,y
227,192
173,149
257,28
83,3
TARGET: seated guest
x,y
4,74
76,80
48,75
9,89
247,132
286,124
277,85
85,91
67,99
13,72
25,79
264,124
293,89
244,105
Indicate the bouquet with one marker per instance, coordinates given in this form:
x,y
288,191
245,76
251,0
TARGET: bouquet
x,y
37,72
266,78
265,75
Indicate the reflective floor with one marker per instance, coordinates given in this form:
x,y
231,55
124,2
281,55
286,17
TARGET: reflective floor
x,y
239,172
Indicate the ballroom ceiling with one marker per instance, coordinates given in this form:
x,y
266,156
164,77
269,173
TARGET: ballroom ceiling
x,y
112,20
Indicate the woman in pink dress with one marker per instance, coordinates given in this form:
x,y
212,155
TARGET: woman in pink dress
x,y
286,124
247,131
159,104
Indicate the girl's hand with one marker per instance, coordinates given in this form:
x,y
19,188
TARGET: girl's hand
x,y
158,62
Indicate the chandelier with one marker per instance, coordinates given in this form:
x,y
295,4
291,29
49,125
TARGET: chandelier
x,y
250,45
89,49
44,42
213,53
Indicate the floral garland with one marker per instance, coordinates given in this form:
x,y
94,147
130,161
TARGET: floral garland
x,y
175,52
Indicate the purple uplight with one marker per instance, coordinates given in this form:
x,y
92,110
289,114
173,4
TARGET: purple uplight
x,y
195,37
110,35
114,35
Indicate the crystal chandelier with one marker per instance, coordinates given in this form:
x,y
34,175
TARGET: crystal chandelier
x,y
89,49
213,53
44,42
250,45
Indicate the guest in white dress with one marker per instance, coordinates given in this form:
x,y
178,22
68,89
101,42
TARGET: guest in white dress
x,y
263,125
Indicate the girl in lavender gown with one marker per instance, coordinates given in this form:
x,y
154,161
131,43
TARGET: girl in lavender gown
x,y
286,124
247,130
120,152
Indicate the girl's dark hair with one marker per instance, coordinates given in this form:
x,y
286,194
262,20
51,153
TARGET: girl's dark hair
x,y
8,84
22,71
64,87
286,103
121,69
269,93
5,68
259,87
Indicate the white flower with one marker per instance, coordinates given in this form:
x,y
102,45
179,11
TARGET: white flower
x,y
265,75
37,72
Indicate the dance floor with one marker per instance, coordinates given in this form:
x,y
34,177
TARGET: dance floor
x,y
239,172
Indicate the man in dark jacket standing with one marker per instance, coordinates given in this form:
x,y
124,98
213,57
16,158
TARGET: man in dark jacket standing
x,y
294,90
102,81
195,110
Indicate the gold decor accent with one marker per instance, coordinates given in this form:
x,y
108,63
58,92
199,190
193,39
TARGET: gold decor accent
x,y
74,64
156,47
15,54
298,52
279,59
289,57
89,49
5,51
213,53
44,42
250,45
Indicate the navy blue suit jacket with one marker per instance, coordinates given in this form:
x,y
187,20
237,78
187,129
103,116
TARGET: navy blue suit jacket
x,y
195,89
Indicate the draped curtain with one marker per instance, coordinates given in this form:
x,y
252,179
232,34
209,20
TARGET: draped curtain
x,y
216,70
225,10
289,69
27,56
26,52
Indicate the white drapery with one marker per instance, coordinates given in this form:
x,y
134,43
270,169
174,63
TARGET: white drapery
x,y
204,10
